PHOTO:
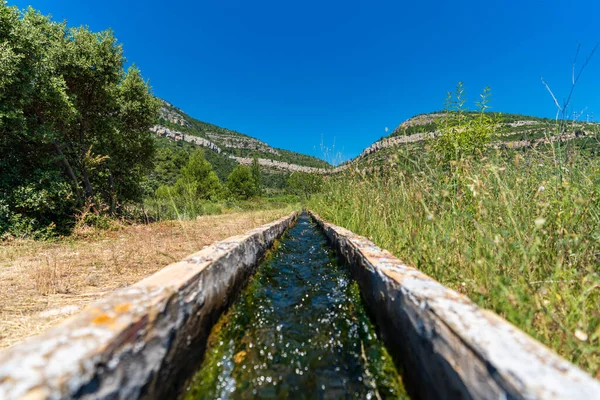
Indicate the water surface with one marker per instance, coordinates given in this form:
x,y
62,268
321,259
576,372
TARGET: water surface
x,y
299,330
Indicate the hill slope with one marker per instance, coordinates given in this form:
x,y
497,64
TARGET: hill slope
x,y
176,125
512,131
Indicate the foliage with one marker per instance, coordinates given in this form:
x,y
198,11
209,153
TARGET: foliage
x,y
73,123
275,181
304,184
171,156
505,230
169,159
460,134
198,178
241,183
196,186
166,200
222,165
257,176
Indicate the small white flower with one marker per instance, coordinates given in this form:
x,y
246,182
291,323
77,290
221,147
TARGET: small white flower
x,y
542,188
539,222
581,335
430,217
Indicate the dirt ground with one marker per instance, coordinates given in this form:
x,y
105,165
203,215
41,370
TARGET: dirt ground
x,y
42,283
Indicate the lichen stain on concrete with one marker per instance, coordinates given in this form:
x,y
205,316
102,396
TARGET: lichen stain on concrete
x,y
122,308
103,319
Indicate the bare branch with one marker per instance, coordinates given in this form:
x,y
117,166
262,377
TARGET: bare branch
x,y
586,62
553,97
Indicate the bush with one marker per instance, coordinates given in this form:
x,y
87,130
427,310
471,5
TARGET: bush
x,y
462,133
198,178
241,183
192,193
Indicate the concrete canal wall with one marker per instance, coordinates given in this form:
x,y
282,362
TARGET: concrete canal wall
x,y
448,347
145,340
141,341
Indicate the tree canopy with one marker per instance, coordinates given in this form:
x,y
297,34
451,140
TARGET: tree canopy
x,y
241,183
198,178
74,124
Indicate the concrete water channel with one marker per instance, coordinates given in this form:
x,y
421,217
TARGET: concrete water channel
x,y
317,312
299,330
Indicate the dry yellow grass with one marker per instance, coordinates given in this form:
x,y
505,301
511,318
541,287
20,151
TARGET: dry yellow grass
x,y
42,283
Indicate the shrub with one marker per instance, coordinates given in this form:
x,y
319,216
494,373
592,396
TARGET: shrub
x,y
462,133
198,178
241,183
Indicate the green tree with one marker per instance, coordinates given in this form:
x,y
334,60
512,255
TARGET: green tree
x,y
304,184
36,194
257,175
74,126
198,178
241,183
130,147
108,141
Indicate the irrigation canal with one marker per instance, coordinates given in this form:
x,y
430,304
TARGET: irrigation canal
x,y
298,330
222,324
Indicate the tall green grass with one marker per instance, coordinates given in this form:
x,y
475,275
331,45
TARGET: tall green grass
x,y
187,207
506,230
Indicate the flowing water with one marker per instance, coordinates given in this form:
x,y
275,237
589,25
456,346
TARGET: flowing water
x,y
298,330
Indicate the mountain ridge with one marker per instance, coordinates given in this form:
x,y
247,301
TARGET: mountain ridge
x,y
512,131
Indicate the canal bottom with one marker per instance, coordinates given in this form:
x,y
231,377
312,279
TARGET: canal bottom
x,y
299,330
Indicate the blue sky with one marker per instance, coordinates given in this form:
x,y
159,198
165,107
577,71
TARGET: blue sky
x,y
300,73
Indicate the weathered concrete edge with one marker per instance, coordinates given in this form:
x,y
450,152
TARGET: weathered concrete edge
x,y
447,345
155,331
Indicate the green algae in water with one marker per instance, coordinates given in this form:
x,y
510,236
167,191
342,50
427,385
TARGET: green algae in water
x,y
299,330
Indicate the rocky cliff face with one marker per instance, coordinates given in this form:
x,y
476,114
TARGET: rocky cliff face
x,y
172,114
178,136
267,163
419,120
241,142
283,166
513,131
395,141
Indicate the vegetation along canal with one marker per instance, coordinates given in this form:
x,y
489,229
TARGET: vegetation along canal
x,y
298,330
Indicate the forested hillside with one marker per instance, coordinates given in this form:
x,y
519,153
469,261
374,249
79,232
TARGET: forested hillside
x,y
176,124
